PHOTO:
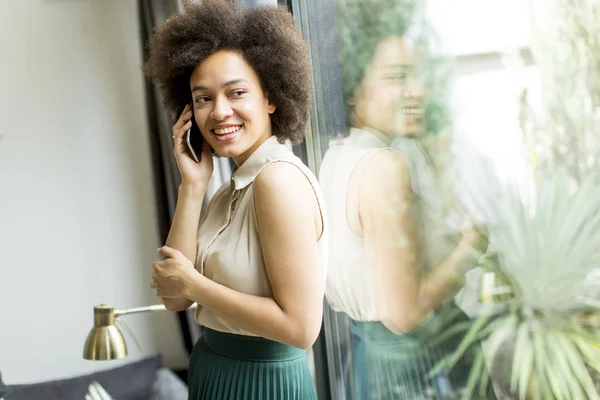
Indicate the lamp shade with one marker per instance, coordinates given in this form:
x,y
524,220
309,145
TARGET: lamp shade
x,y
105,341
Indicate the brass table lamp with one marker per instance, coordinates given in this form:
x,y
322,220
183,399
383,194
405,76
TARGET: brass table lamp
x,y
105,341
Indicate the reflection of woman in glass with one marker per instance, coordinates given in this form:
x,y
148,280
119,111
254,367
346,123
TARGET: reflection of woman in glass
x,y
396,259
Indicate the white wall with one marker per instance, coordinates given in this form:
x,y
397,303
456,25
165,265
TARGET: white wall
x,y
77,215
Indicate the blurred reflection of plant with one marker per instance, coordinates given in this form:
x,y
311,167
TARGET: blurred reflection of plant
x,y
543,340
566,50
539,339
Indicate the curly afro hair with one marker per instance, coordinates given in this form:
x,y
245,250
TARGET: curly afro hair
x,y
361,25
264,35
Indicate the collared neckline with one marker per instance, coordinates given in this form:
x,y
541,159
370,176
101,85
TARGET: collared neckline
x,y
370,138
268,151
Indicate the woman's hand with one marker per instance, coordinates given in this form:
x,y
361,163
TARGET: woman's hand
x,y
173,275
474,237
192,173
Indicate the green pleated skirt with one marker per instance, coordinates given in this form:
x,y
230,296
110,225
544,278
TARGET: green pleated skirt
x,y
225,366
388,366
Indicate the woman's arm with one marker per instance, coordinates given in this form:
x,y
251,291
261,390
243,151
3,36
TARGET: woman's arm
x,y
391,231
183,233
290,225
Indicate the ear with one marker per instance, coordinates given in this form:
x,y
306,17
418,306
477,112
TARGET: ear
x,y
272,107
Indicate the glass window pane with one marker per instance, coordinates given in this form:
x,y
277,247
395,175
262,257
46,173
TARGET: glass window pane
x,y
476,26
457,152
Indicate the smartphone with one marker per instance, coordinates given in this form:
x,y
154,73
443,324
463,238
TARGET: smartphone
x,y
194,141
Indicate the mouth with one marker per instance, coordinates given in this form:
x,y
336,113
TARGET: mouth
x,y
416,111
225,134
413,114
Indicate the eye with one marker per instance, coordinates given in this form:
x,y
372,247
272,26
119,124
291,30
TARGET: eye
x,y
202,99
401,77
237,93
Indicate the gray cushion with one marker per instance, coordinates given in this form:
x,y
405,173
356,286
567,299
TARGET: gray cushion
x,y
131,381
168,386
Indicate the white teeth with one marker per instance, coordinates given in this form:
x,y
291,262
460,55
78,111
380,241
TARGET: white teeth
x,y
223,131
412,111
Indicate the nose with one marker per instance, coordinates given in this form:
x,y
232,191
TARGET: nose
x,y
414,89
221,110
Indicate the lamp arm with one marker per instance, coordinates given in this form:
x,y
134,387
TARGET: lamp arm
x,y
152,308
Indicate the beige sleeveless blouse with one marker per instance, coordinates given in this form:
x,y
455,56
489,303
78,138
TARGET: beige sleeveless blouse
x,y
229,249
351,287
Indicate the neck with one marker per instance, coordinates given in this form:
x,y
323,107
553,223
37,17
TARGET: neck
x,y
239,160
380,135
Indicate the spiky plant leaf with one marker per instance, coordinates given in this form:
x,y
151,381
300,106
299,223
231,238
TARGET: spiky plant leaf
x,y
548,250
581,374
469,340
561,363
526,362
484,379
547,245
475,375
589,351
518,353
543,367
452,331
441,365
500,336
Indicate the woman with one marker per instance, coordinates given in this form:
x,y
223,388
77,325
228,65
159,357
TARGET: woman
x,y
256,263
397,257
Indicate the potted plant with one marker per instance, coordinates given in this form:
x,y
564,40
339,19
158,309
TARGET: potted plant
x,y
540,339
540,336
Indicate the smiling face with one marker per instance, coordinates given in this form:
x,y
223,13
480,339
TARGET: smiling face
x,y
230,107
389,98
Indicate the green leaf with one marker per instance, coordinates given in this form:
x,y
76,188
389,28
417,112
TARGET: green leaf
x,y
440,366
580,372
534,389
499,336
589,351
485,377
584,333
562,362
496,323
450,332
470,338
525,375
522,359
542,363
448,362
477,370
556,382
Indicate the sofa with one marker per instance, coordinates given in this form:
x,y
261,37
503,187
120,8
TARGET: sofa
x,y
146,379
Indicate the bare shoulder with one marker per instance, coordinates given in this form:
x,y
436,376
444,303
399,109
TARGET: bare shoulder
x,y
284,197
386,170
283,181
385,194
390,163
